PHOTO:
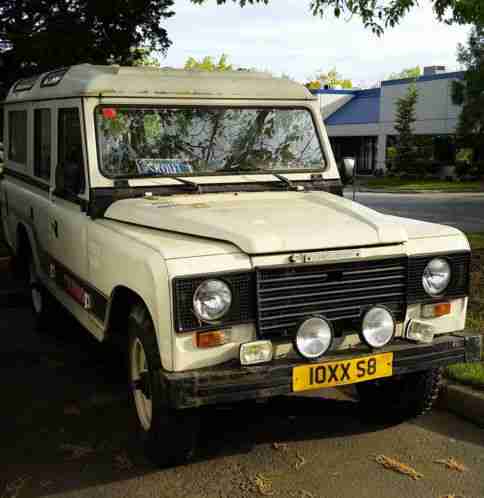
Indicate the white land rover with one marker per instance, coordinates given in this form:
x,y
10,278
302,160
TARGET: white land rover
x,y
198,217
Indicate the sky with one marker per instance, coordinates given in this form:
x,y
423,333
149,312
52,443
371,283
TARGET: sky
x,y
284,38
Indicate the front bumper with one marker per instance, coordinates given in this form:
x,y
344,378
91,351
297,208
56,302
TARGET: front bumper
x,y
231,382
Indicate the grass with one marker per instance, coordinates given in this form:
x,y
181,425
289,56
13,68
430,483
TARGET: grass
x,y
476,240
467,373
399,184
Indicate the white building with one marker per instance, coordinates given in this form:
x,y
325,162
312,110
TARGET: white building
x,y
361,123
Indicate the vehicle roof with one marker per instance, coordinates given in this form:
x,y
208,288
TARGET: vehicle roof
x,y
117,81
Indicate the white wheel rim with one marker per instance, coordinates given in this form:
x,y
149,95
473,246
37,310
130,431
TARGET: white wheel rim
x,y
139,366
34,289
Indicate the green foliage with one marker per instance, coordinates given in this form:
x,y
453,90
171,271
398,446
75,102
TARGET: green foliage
x,y
208,64
470,93
144,58
406,151
39,35
380,15
332,79
411,72
467,373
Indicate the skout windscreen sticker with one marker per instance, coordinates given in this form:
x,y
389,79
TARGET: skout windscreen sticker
x,y
163,167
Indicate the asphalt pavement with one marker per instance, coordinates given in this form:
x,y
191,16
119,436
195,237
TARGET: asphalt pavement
x,y
463,211
68,431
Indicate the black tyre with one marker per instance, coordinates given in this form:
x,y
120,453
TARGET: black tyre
x,y
42,303
400,398
170,435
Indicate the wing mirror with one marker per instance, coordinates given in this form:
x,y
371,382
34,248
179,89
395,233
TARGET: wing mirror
x,y
349,167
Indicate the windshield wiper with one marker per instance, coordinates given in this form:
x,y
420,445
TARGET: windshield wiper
x,y
290,185
196,187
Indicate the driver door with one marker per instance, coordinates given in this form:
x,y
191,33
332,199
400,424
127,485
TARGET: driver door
x,y
67,218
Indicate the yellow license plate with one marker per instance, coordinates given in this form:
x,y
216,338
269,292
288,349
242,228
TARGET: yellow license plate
x,y
340,373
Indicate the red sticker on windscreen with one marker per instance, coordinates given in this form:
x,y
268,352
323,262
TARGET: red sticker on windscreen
x,y
109,112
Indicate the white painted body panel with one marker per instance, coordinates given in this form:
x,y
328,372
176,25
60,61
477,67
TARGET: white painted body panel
x,y
265,222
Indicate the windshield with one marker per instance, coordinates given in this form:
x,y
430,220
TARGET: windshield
x,y
146,141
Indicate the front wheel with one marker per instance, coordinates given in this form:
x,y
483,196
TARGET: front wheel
x,y
42,302
400,398
170,435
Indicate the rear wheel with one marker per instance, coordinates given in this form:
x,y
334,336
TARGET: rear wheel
x,y
170,435
400,398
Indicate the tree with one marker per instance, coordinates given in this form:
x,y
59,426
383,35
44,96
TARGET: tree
x,y
39,35
411,72
207,64
379,15
470,93
331,79
145,58
405,149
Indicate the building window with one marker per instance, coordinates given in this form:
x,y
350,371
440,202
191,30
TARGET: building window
x,y
42,143
17,136
363,149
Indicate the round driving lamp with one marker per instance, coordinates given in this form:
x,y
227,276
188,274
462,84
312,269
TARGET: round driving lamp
x,y
378,327
212,300
436,276
313,338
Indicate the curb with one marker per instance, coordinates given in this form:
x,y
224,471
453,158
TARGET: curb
x,y
463,401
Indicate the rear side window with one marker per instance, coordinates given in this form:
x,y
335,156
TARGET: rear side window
x,y
70,141
70,152
42,143
17,136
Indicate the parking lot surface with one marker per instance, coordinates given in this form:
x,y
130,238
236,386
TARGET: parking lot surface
x,y
463,211
68,431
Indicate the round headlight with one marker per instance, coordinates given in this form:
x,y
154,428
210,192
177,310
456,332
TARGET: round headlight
x,y
378,327
212,300
314,338
436,276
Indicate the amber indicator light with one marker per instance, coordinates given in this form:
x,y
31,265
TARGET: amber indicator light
x,y
209,339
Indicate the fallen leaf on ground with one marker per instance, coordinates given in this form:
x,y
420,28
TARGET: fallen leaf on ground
x,y
301,461
13,489
123,462
77,451
306,494
72,409
264,485
452,464
395,465
451,496
303,493
280,446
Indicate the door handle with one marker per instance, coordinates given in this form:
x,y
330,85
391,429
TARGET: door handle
x,y
55,228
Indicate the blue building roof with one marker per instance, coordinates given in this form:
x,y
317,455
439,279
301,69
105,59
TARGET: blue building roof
x,y
363,108
459,75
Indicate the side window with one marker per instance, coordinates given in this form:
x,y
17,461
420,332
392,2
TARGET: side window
x,y
42,143
70,177
17,136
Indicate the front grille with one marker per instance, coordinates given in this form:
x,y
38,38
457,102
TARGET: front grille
x,y
339,291
459,283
